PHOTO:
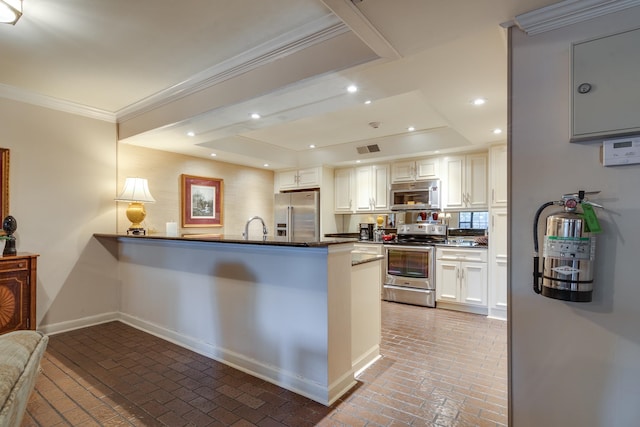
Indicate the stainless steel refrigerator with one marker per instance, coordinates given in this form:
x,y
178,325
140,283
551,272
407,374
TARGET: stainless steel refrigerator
x,y
297,216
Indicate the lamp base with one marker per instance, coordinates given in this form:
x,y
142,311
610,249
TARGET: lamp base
x,y
137,231
136,214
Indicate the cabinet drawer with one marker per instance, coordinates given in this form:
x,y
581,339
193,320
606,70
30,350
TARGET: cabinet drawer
x,y
466,255
14,265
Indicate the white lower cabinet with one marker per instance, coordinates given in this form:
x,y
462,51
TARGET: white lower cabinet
x,y
461,279
498,263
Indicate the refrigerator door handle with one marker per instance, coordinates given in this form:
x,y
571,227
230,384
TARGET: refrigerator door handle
x,y
289,224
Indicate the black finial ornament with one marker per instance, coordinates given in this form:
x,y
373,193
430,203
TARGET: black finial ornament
x,y
9,225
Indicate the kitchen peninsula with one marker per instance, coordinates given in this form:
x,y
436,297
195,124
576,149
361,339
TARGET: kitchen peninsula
x,y
281,311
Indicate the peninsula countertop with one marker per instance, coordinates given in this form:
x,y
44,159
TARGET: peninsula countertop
x,y
222,238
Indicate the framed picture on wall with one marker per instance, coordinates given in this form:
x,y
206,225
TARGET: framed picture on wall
x,y
201,201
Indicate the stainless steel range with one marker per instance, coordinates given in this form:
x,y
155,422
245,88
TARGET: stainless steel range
x,y
410,264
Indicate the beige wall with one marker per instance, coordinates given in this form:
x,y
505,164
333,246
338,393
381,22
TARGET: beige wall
x,y
247,191
572,364
62,182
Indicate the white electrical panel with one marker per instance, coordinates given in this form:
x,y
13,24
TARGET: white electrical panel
x,y
621,151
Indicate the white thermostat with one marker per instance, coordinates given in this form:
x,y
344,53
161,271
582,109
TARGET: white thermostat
x,y
621,151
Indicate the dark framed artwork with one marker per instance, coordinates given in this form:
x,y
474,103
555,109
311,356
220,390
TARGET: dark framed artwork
x,y
4,183
201,201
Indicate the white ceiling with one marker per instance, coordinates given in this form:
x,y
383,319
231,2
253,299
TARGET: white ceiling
x,y
161,71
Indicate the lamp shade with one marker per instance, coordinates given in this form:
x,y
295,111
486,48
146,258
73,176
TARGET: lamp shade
x,y
10,11
135,190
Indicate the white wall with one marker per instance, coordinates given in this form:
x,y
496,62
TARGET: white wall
x,y
62,184
572,364
247,191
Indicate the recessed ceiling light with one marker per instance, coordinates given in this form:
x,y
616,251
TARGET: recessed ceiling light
x,y
191,133
411,128
312,146
367,102
255,116
497,131
352,88
266,165
213,154
479,101
358,161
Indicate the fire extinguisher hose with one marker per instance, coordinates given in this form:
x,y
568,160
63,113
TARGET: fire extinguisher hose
x,y
536,258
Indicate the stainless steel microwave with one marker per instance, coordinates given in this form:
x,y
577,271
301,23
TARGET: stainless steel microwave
x,y
418,195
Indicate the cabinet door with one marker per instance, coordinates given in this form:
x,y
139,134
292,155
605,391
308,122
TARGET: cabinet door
x,y
476,181
380,187
498,263
287,180
498,175
447,282
454,184
309,178
14,301
364,181
427,168
610,105
473,283
343,181
402,171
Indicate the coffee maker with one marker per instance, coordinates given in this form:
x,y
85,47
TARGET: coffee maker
x,y
366,231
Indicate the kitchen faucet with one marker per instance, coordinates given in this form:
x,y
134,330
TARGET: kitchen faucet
x,y
246,228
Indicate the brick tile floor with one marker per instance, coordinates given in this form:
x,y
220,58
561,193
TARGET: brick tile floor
x,y
439,368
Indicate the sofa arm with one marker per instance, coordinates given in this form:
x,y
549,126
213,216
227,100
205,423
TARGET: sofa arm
x,y
20,355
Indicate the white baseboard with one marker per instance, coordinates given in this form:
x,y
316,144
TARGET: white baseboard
x,y
290,381
320,393
57,328
366,359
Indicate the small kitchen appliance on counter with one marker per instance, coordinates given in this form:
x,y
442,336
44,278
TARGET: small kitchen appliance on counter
x,y
410,264
366,231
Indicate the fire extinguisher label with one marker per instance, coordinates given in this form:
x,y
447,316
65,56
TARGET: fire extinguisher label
x,y
579,248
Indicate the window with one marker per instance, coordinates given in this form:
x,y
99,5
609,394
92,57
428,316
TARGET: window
x,y
474,220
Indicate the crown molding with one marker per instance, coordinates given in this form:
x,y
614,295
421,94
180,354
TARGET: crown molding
x,y
568,12
308,35
28,97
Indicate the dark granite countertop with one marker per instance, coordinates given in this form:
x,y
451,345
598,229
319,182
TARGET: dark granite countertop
x,y
361,258
466,245
220,238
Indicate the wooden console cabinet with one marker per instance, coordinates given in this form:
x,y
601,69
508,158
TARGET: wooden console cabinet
x,y
18,292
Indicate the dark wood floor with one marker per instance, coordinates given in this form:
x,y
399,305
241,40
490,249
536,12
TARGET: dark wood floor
x,y
440,368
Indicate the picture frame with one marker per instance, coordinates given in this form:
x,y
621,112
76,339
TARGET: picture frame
x,y
202,201
4,185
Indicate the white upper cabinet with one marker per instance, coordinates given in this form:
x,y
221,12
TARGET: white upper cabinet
x,y
415,170
372,188
465,181
605,88
295,179
344,190
498,175
362,189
